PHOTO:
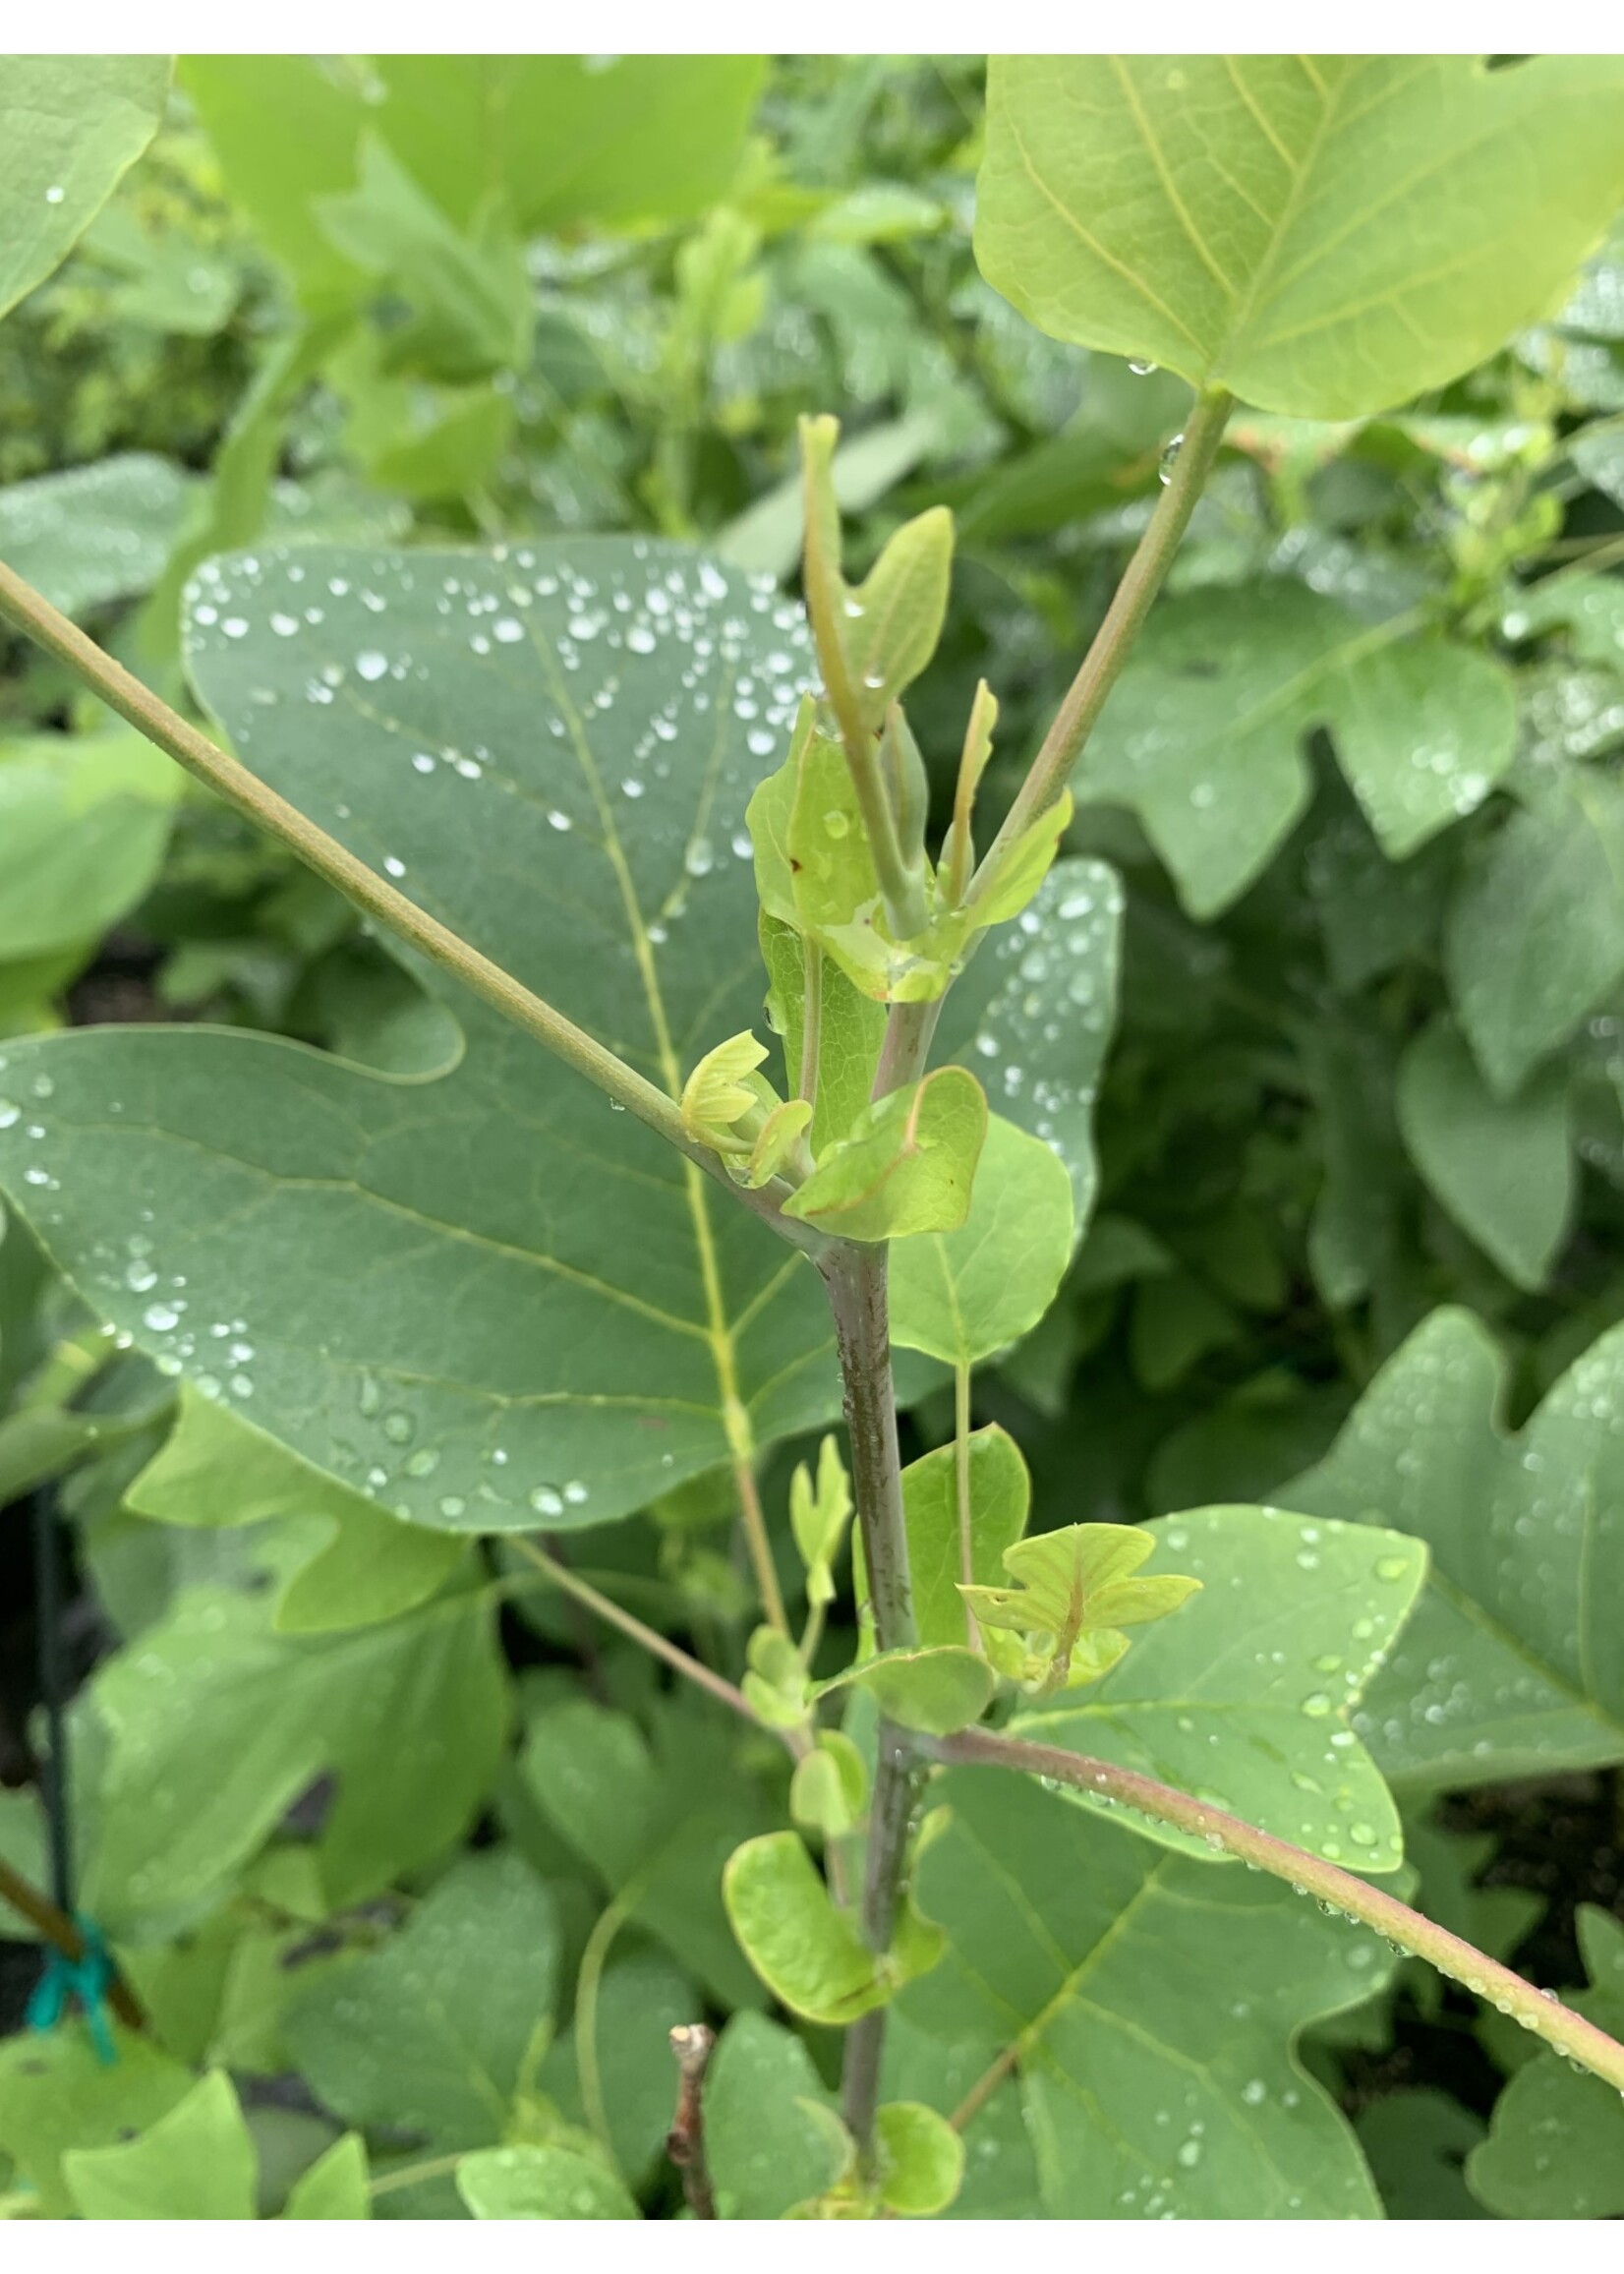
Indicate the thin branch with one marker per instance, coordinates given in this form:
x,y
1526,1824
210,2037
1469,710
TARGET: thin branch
x,y
60,1930
760,1545
689,1667
1539,2011
692,2045
229,779
1198,447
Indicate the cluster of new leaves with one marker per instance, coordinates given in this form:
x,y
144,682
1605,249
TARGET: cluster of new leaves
x,y
356,1319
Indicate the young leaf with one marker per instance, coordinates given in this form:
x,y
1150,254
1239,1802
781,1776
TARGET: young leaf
x,y
776,1683
1556,2148
1074,1590
818,1519
1146,2008
828,1790
556,1357
1033,1014
959,1296
1513,1664
1324,236
921,2159
894,620
542,2182
808,1953
69,125
196,2161
438,2030
936,1690
999,1492
906,1166
1244,1696
1502,1167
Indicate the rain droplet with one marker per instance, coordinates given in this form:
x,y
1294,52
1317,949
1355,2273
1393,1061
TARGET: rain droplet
x,y
1170,458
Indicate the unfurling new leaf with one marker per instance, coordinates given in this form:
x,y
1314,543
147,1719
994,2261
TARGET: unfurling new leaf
x,y
1075,1591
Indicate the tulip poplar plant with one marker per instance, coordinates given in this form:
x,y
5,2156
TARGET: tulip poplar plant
x,y
753,1102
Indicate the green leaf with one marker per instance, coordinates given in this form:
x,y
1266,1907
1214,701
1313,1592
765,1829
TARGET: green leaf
x,y
196,2161
335,2186
545,1352
1204,734
895,615
921,2159
1503,1168
569,139
959,1296
95,534
83,823
1534,935
936,1690
1243,1697
540,2183
69,125
766,2150
284,131
215,1725
214,1468
655,1820
1415,2143
1513,1664
56,2094
906,1165
1147,2008
1324,236
808,1953
1556,2148
828,1790
999,1492
437,2032
1033,1014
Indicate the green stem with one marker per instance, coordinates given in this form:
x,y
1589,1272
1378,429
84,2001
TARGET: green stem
x,y
570,1583
962,1476
1102,665
1535,2010
30,613
587,1984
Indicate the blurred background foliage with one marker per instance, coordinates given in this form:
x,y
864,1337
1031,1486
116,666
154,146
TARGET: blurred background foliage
x,y
391,300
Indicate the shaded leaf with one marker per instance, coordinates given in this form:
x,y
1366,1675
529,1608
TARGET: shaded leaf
x,y
1503,1168
437,2032
1556,2148
766,2150
94,534
1514,1662
936,1690
83,823
1204,734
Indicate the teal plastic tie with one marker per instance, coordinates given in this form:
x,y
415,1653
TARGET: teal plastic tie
x,y
85,1982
